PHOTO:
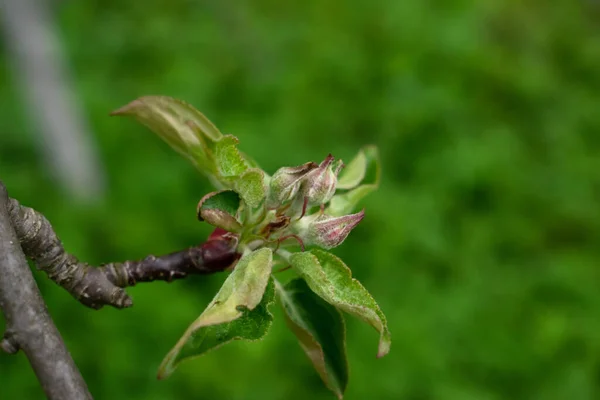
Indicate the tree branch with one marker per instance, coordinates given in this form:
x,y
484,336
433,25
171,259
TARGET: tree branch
x,y
28,322
99,286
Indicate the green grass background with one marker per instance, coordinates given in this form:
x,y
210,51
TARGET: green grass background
x,y
482,245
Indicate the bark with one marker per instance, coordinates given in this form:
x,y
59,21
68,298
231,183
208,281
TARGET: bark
x,y
25,232
103,285
29,325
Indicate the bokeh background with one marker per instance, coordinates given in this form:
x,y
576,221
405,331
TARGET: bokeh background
x,y
482,245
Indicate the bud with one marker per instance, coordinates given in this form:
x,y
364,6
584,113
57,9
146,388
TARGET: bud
x,y
326,231
286,182
319,185
216,255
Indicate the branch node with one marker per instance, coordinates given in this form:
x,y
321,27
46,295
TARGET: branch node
x,y
9,344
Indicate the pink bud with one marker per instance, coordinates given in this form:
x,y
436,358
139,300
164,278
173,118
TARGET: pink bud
x,y
326,231
286,182
319,184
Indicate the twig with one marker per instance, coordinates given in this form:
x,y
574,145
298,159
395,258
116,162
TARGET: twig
x,y
99,286
28,322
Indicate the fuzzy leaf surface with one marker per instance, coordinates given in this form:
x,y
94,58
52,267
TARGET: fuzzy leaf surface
x,y
230,161
331,279
238,311
251,187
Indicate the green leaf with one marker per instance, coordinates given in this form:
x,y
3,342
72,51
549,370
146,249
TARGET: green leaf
x,y
251,187
250,161
342,204
321,331
354,172
331,279
220,209
179,124
252,325
191,134
230,161
346,202
238,311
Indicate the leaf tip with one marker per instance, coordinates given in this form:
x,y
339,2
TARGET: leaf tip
x,y
165,369
384,347
127,108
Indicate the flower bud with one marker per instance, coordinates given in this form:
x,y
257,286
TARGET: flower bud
x,y
326,231
286,182
319,185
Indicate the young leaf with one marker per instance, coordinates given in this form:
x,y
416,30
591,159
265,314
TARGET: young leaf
x,y
251,326
354,172
331,279
251,187
220,209
320,329
230,161
238,311
345,203
179,124
249,160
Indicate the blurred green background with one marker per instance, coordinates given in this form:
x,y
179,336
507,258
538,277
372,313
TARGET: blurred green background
x,y
482,245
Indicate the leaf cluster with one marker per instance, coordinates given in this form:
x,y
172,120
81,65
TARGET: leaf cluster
x,y
314,210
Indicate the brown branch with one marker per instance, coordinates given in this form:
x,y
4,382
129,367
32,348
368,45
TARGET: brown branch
x,y
99,286
28,322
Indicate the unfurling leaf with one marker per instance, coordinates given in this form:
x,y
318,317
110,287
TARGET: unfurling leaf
x,y
367,161
354,172
191,134
320,329
238,311
220,209
235,174
179,124
331,279
230,161
251,187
